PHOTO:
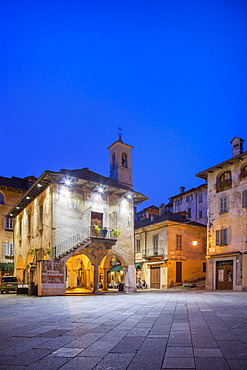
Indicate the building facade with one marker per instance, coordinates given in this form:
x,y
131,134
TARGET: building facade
x,y
72,226
227,221
192,201
170,250
11,189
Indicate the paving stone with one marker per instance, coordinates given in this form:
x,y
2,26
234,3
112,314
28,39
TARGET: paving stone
x,y
47,363
117,361
209,363
178,363
86,363
144,362
179,352
233,350
207,352
66,352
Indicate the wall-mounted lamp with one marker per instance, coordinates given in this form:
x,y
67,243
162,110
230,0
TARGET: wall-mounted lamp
x,y
67,182
100,189
129,196
194,242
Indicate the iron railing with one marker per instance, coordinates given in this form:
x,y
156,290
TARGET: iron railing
x,y
152,252
80,238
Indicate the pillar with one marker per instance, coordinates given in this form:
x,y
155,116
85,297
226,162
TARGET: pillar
x,y
95,279
105,288
130,279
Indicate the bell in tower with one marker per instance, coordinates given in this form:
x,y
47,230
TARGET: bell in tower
x,y
121,162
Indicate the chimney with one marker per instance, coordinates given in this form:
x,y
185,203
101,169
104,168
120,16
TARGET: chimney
x,y
181,189
237,146
161,209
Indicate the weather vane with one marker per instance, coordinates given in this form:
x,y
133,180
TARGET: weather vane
x,y
120,133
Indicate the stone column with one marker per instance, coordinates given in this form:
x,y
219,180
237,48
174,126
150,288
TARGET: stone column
x,y
88,279
105,289
130,279
95,279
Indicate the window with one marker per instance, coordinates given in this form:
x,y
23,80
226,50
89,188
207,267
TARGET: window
x,y
189,198
178,242
189,212
222,237
223,205
138,245
204,267
204,244
243,173
155,242
7,249
179,201
1,198
244,199
8,223
224,182
124,160
200,198
200,214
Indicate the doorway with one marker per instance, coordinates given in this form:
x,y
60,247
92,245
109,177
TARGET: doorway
x,y
224,275
178,272
155,277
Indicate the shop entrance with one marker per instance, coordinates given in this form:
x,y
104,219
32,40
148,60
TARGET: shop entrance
x,y
155,277
224,275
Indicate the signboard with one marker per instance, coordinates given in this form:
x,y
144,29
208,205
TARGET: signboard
x,y
52,274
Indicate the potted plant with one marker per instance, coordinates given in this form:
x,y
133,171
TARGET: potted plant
x,y
97,228
28,265
116,232
104,232
49,251
32,250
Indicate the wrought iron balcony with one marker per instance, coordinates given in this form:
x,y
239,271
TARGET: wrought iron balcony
x,y
153,252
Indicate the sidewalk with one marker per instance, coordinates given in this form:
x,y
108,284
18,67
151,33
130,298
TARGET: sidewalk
x,y
153,330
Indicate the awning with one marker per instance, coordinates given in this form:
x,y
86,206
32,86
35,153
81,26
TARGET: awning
x,y
116,268
138,265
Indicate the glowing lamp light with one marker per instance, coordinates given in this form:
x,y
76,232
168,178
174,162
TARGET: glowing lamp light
x,y
39,185
28,197
100,190
129,196
194,243
67,182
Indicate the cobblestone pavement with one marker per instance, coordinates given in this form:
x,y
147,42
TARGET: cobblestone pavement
x,y
147,330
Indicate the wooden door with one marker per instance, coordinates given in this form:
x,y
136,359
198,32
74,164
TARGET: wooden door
x,y
96,221
155,277
178,272
224,275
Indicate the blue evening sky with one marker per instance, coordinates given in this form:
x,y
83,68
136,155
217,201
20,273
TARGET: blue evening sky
x,y
171,73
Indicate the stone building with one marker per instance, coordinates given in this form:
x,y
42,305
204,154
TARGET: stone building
x,y
169,250
72,226
192,201
11,189
227,221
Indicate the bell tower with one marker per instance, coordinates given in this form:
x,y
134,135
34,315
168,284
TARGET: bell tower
x,y
121,162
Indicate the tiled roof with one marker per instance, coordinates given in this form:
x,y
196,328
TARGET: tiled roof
x,y
17,182
167,216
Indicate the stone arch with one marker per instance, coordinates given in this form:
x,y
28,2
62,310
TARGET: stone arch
x,y
79,271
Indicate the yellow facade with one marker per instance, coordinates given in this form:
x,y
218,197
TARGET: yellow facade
x,y
165,250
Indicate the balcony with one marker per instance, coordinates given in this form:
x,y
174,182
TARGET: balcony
x,y
151,253
222,185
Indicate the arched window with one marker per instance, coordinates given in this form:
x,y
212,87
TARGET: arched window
x,y
1,198
243,173
124,160
224,181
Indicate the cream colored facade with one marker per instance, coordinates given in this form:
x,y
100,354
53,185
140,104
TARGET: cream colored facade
x,y
227,222
11,189
169,251
66,231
